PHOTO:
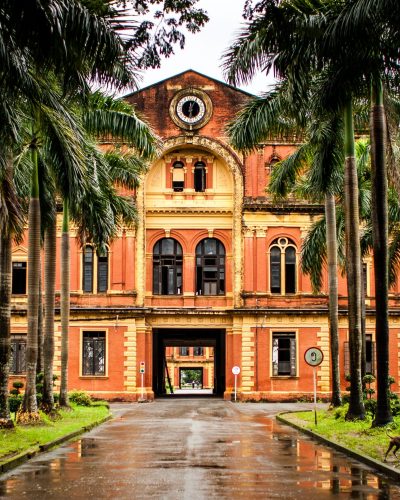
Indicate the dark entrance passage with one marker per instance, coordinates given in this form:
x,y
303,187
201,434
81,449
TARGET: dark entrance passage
x,y
168,337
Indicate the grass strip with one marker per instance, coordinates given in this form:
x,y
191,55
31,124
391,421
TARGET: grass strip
x,y
29,439
356,436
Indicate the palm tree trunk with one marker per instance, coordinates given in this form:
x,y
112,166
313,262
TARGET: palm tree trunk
x,y
50,285
29,403
65,299
5,312
331,250
380,243
363,327
353,258
5,316
40,324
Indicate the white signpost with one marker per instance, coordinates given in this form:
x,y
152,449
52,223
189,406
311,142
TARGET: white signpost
x,y
235,371
141,371
314,357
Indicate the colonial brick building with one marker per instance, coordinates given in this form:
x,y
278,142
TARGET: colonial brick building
x,y
212,264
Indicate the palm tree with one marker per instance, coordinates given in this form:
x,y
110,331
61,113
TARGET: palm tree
x,y
321,153
11,223
289,36
101,211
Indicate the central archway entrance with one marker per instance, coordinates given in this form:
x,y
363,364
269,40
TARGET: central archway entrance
x,y
189,351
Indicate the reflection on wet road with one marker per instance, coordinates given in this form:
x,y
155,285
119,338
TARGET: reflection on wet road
x,y
195,449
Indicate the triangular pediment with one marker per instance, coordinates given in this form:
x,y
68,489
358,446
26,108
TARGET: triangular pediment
x,y
19,250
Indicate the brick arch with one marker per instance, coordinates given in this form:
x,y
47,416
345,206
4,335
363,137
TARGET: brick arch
x,y
159,235
218,235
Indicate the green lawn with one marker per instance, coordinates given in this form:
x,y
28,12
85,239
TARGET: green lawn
x,y
358,436
24,438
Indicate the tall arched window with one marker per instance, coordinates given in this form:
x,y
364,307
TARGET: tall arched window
x,y
199,177
210,267
88,262
282,266
178,176
167,267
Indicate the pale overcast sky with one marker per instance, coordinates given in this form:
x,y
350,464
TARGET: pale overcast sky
x,y
203,50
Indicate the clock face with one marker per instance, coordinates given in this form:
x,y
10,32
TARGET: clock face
x,y
190,109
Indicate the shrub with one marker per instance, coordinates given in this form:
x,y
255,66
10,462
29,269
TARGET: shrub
x,y
17,385
80,398
340,413
15,402
370,406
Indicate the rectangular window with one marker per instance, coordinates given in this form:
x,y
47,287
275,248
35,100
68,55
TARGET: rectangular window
x,y
18,351
284,354
198,351
102,273
18,286
184,351
369,354
365,278
94,353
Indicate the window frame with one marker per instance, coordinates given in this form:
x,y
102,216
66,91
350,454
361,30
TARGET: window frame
x,y
20,340
178,186
81,353
95,270
25,264
202,265
200,170
293,350
161,270
283,244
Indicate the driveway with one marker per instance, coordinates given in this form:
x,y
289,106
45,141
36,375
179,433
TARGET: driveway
x,y
195,449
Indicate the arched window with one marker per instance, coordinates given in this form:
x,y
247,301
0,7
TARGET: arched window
x,y
282,266
167,267
210,267
88,262
102,271
178,176
199,177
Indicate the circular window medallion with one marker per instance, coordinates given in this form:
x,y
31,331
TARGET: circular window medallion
x,y
190,109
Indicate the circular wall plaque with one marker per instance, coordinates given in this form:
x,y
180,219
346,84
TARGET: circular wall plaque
x,y
190,109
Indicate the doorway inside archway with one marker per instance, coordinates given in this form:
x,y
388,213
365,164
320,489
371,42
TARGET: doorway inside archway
x,y
188,362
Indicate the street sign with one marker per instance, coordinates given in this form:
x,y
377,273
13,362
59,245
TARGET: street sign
x,y
142,365
236,370
313,356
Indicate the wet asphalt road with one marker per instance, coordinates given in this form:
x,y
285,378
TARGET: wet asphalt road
x,y
194,449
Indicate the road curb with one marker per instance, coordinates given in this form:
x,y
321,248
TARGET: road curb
x,y
23,457
375,464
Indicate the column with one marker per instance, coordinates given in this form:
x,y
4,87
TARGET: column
x,y
130,373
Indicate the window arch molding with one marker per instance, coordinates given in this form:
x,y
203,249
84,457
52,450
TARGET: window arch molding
x,y
167,267
219,235
160,234
283,266
210,257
